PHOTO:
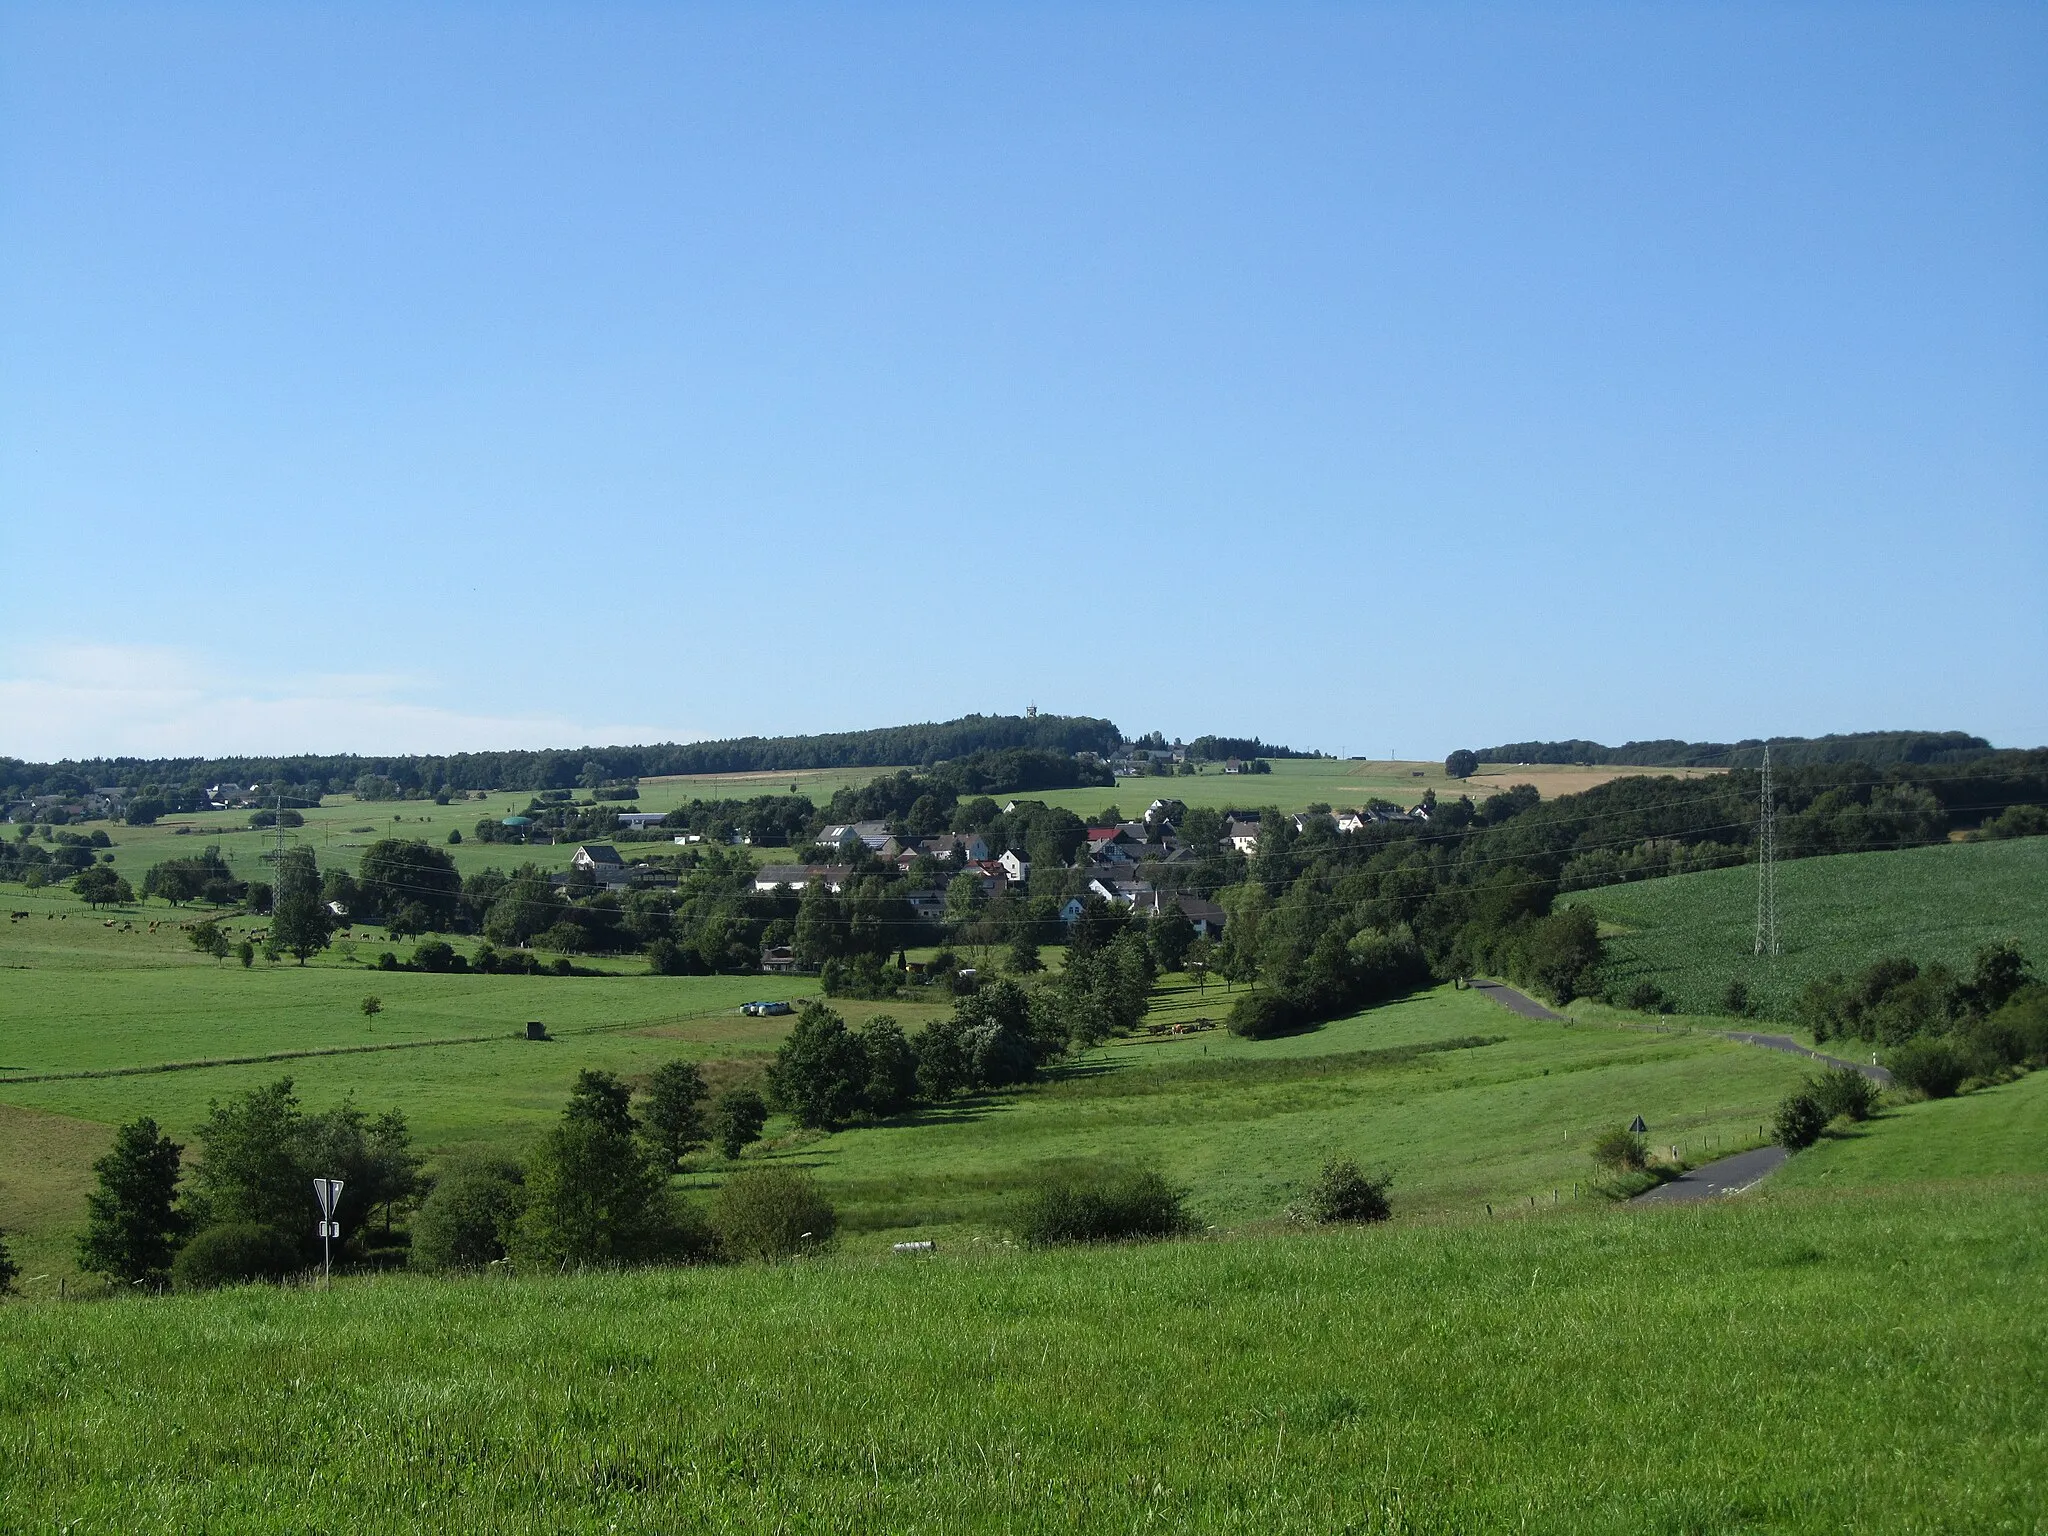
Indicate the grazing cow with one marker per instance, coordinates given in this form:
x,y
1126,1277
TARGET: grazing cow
x,y
15,917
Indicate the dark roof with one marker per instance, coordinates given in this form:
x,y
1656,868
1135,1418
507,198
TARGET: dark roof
x,y
600,853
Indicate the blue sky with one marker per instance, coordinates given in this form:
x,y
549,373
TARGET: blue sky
x,y
1384,379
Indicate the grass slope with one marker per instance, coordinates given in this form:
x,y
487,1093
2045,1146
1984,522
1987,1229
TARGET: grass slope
x,y
1463,1101
1790,1363
1994,1132
1691,933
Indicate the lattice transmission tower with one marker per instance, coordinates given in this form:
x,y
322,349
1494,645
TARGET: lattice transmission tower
x,y
1766,865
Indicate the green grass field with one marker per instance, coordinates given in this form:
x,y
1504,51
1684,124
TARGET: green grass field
x,y
1691,933
1995,1131
1856,1346
1465,1102
1788,1362
338,831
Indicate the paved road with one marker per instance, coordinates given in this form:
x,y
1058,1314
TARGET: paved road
x,y
1529,1008
1517,1002
1869,1069
1729,1176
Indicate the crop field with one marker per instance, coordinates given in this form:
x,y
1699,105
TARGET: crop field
x,y
1296,783
1795,1362
1691,933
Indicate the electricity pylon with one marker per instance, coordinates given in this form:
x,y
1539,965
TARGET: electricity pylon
x,y
1766,866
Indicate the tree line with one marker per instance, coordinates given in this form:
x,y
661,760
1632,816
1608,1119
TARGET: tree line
x,y
413,775
1879,749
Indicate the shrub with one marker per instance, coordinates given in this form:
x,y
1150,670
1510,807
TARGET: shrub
x,y
771,1214
233,1253
564,938
1262,1015
437,956
1344,1192
1648,997
1799,1121
1844,1091
2017,1033
1735,997
1101,1206
464,1222
1621,1151
1932,1066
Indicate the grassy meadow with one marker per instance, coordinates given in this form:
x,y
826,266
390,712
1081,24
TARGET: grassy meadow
x,y
1792,1361
1691,933
1996,1132
341,829
1466,1103
1861,1344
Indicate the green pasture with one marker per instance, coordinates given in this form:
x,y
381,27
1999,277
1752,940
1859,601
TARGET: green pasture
x,y
1691,934
1994,1132
1464,1102
340,830
1795,1362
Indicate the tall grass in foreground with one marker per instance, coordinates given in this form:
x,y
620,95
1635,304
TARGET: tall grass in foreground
x,y
1785,1363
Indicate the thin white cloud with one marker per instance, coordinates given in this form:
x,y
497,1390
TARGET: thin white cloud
x,y
157,701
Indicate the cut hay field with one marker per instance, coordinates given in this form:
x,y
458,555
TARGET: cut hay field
x,y
1296,783
1691,933
1793,1362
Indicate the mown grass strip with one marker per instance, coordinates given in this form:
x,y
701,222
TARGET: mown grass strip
x,y
249,1061
1125,1080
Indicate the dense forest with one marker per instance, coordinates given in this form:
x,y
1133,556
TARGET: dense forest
x,y
1878,749
584,767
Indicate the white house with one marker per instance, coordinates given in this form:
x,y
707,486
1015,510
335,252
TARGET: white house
x,y
1016,866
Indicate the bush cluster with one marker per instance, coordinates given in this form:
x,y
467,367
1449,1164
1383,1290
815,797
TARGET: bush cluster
x,y
234,1253
1100,1205
1799,1121
771,1214
1346,1193
1621,1151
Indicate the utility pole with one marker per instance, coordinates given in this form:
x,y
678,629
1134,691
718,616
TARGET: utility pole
x,y
1767,866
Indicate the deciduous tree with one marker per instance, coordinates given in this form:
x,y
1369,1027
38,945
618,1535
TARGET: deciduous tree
x,y
133,1225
